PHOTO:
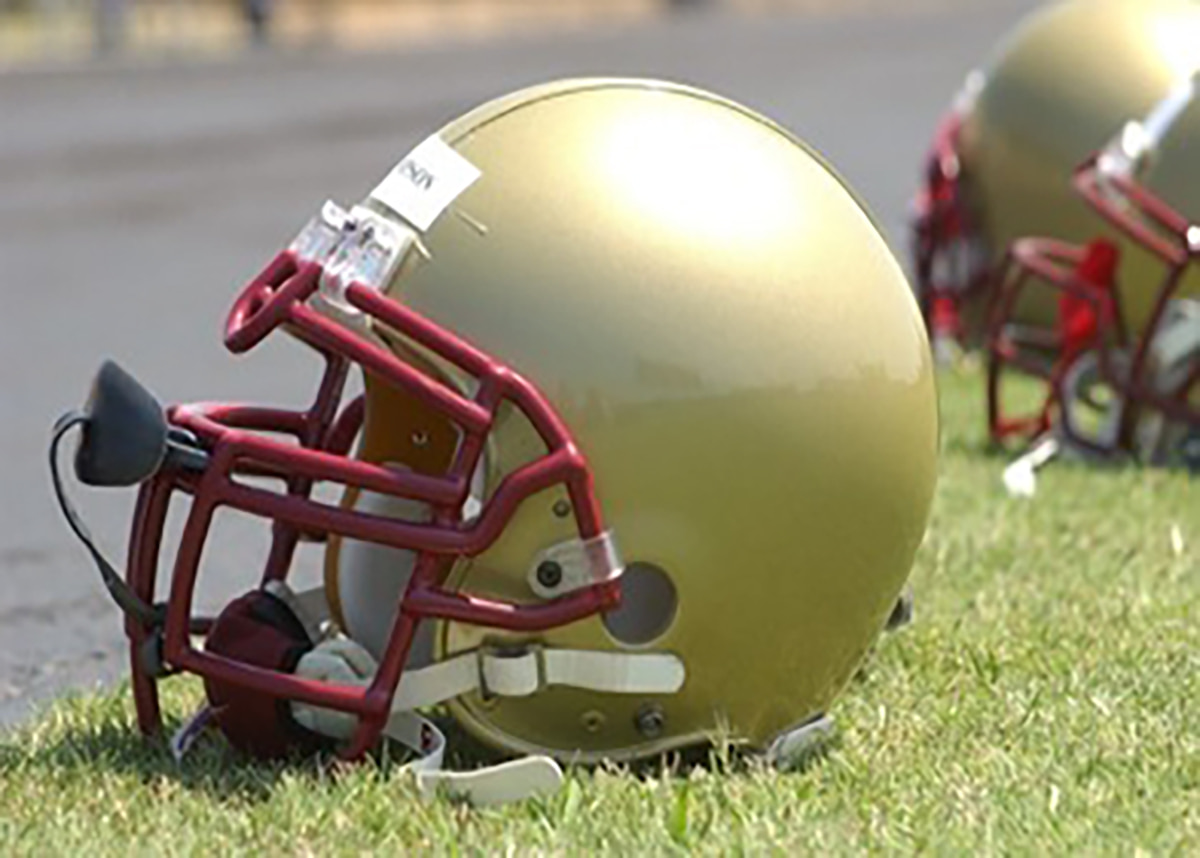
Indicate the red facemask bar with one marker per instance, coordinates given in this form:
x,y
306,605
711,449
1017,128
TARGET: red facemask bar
x,y
949,261
1090,319
238,442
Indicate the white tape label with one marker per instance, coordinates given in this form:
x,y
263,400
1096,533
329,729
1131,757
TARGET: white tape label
x,y
426,182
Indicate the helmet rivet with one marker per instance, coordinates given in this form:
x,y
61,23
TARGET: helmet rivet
x,y
592,720
549,574
420,438
650,721
562,508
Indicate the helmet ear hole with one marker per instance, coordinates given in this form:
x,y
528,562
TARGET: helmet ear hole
x,y
648,605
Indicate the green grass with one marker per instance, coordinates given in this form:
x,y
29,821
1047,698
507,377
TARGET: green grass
x,y
1044,702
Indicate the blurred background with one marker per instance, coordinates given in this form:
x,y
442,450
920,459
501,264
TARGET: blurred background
x,y
63,30
154,154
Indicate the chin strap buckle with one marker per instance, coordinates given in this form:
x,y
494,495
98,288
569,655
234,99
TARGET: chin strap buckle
x,y
510,671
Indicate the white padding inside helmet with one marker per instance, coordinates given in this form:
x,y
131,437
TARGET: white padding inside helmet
x,y
372,578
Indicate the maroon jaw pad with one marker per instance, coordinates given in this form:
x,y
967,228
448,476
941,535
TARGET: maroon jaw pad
x,y
259,629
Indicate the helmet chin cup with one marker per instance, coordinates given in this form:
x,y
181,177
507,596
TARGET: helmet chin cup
x,y
124,440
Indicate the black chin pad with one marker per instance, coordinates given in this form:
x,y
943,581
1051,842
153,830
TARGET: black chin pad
x,y
125,437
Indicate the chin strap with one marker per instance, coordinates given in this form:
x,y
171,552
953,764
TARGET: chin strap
x,y
339,659
519,672
503,783
491,671
499,784
343,661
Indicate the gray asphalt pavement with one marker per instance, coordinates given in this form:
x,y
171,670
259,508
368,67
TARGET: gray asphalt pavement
x,y
135,201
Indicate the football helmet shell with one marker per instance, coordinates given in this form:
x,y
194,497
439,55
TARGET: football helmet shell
x,y
648,409
673,323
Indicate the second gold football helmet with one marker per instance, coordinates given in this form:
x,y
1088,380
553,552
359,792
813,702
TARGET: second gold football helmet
x,y
1112,385
1057,89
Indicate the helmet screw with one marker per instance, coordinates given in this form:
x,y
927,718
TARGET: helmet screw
x,y
420,438
562,508
549,574
650,721
592,720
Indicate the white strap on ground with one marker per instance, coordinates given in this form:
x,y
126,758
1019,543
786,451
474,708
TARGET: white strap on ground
x,y
341,660
500,784
1020,478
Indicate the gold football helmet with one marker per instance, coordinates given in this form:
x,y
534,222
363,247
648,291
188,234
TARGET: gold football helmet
x,y
1062,84
1111,387
646,447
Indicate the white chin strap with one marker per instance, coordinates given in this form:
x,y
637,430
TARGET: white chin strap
x,y
491,672
341,660
500,784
